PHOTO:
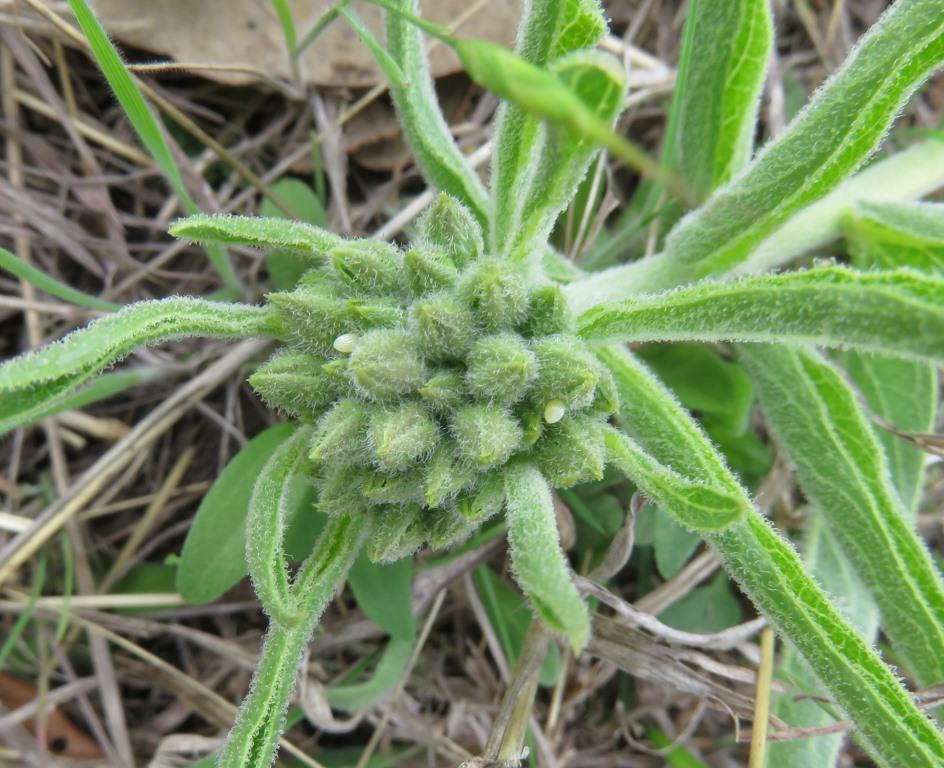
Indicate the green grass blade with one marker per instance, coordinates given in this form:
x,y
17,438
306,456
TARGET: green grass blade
x,y
254,738
287,21
31,383
518,134
539,564
771,573
131,100
424,127
842,469
899,313
385,61
840,128
16,266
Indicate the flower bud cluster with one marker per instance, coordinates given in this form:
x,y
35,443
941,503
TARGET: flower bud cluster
x,y
425,373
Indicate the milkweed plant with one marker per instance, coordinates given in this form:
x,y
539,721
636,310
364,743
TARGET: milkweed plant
x,y
473,371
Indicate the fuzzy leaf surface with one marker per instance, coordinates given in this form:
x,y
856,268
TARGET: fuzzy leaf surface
x,y
842,469
840,128
424,126
32,382
771,573
540,567
899,313
889,235
259,232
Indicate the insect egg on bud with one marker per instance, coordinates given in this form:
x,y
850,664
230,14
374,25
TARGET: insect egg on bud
x,y
554,411
345,343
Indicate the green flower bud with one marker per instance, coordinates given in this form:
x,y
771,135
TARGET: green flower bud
x,y
295,383
341,489
446,527
606,399
313,317
427,270
485,436
567,372
340,435
449,226
444,478
368,267
443,391
373,313
389,532
572,452
496,293
386,365
500,368
485,501
383,488
401,437
548,313
445,328
531,419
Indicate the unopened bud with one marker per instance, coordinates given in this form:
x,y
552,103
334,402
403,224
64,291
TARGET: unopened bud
x,y
386,365
449,226
567,372
485,500
399,438
295,383
486,436
444,326
496,293
572,452
427,270
443,391
313,317
548,313
340,436
368,267
500,368
444,478
389,532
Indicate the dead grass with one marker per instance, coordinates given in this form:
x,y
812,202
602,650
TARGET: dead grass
x,y
118,485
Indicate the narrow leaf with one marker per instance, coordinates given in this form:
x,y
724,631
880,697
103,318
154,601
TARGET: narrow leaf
x,y
16,266
900,313
357,697
842,469
34,381
771,573
549,29
540,566
839,129
424,126
131,100
259,232
384,591
385,61
269,508
721,72
254,738
288,23
889,235
214,554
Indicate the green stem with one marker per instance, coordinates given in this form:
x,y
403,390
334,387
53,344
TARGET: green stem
x,y
254,739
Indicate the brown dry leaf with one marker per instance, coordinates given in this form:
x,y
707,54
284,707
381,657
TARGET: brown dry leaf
x,y
63,738
247,33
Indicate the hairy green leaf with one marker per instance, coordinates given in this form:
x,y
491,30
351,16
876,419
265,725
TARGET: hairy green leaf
x,y
550,28
286,267
384,591
890,235
720,75
16,266
899,313
214,554
843,471
34,381
560,158
771,573
424,126
259,232
269,508
540,566
144,123
840,128
254,738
